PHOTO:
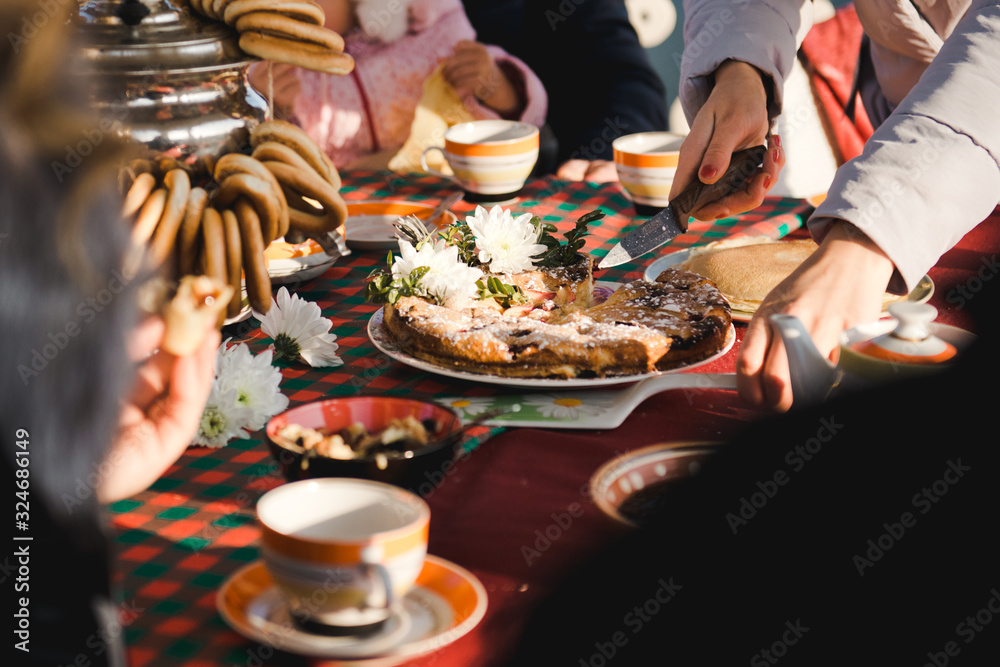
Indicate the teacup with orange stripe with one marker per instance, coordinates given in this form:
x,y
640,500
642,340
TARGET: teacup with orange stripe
x,y
646,164
490,159
342,550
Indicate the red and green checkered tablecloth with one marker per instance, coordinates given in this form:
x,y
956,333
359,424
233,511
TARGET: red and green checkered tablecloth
x,y
179,540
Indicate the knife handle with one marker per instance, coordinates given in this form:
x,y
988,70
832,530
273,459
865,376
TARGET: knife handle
x,y
742,166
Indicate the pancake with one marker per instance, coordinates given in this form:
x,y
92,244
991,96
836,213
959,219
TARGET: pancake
x,y
746,270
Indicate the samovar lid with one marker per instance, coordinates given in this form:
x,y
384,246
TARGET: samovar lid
x,y
153,36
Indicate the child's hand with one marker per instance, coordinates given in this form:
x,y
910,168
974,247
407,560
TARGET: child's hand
x,y
471,70
286,84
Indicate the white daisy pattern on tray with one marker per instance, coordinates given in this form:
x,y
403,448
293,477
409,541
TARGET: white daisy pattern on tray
x,y
563,406
471,406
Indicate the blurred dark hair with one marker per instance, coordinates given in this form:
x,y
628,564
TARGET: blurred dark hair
x,y
65,310
65,306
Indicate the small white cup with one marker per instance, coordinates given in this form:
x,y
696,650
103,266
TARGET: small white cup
x,y
491,159
646,164
342,550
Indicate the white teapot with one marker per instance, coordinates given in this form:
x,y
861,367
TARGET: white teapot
x,y
907,345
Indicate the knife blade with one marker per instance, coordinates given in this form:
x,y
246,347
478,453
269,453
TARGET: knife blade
x,y
672,220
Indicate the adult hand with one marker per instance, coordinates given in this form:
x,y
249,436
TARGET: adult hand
x,y
734,117
838,287
161,417
595,171
471,70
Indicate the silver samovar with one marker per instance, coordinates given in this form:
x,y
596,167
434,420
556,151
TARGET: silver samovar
x,y
169,81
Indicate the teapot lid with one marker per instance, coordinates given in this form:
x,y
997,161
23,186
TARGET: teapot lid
x,y
911,341
153,36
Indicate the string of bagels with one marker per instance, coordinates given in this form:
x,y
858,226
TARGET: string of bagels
x,y
220,229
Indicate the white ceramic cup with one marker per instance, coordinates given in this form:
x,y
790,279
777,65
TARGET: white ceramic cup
x,y
341,550
646,163
490,159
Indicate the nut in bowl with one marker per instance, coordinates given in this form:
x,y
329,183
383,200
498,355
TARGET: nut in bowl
x,y
630,488
646,163
405,442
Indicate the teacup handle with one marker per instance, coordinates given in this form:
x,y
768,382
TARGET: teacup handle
x,y
382,576
431,170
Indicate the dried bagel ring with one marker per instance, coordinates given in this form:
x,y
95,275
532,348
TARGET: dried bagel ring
x,y
293,52
274,151
259,193
234,259
138,193
301,10
217,8
213,238
149,217
271,23
187,244
254,263
179,186
297,139
238,163
322,221
308,184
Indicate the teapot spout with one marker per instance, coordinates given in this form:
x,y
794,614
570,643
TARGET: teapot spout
x,y
812,375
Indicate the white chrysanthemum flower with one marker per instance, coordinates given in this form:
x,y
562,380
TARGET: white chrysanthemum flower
x,y
448,279
506,244
223,419
255,381
299,331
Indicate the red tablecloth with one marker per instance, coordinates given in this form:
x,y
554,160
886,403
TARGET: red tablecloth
x,y
515,512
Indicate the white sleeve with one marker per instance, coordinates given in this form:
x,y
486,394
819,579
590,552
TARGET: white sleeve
x,y
763,33
931,172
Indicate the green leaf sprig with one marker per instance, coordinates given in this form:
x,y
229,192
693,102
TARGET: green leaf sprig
x,y
506,295
565,254
383,288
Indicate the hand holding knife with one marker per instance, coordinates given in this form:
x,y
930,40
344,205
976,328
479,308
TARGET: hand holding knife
x,y
672,220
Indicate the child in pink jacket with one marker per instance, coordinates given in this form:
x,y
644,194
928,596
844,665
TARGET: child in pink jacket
x,y
396,45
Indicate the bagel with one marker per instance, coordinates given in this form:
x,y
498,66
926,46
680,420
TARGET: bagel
x,y
178,185
297,139
213,238
199,303
187,245
271,23
149,217
254,264
299,10
260,195
306,183
309,185
234,261
293,52
238,163
138,193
